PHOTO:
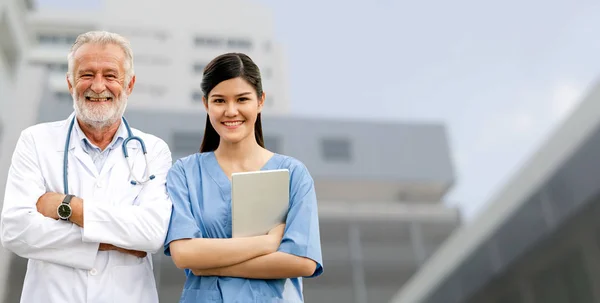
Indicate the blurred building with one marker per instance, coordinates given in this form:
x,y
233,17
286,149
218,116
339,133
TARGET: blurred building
x,y
539,239
14,44
380,184
14,41
168,40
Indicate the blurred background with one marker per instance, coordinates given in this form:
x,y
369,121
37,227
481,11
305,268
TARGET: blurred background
x,y
454,145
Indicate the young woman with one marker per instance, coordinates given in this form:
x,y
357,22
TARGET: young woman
x,y
219,268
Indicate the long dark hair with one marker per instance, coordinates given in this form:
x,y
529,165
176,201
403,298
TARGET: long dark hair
x,y
222,68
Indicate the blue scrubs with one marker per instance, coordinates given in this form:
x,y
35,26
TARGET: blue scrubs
x,y
201,195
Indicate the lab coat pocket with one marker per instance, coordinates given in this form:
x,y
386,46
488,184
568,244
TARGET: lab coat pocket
x,y
122,192
127,195
134,283
44,282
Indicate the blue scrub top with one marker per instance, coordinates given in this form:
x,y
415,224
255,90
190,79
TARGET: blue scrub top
x,y
201,195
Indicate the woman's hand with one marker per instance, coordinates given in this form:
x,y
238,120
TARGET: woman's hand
x,y
272,238
275,235
200,272
206,272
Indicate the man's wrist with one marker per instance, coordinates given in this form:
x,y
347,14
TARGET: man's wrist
x,y
77,211
63,210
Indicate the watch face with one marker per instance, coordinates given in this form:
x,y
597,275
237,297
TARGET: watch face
x,y
64,211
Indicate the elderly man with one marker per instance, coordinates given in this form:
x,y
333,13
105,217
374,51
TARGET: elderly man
x,y
84,203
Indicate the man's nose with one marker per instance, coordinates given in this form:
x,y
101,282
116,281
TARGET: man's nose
x,y
98,85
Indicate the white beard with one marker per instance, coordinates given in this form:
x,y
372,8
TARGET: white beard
x,y
96,114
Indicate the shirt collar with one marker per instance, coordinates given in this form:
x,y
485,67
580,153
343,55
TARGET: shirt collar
x,y
86,144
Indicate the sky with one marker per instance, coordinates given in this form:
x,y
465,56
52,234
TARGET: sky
x,y
501,76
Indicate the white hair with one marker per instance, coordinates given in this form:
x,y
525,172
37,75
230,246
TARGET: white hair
x,y
102,38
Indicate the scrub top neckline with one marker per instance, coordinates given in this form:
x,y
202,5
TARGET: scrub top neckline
x,y
219,176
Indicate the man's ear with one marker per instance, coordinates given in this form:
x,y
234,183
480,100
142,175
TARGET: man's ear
x,y
130,85
69,84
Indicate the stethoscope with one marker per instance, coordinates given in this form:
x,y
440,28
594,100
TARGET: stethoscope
x,y
130,137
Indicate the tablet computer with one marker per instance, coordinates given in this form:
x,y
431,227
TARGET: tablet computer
x,y
259,201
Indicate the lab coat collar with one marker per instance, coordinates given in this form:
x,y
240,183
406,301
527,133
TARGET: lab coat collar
x,y
77,150
76,138
120,135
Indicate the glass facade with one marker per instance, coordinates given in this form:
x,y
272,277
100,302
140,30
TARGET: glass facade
x,y
562,268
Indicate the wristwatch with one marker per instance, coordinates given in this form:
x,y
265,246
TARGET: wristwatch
x,y
64,209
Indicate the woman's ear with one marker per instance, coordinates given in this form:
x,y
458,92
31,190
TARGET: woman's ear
x,y
261,101
205,102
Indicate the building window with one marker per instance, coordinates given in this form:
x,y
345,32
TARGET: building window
x,y
63,96
8,44
186,143
197,96
336,149
199,68
239,44
70,39
208,41
152,60
47,39
273,143
141,34
215,42
152,90
56,39
57,67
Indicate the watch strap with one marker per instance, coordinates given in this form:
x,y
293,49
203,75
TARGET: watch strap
x,y
67,199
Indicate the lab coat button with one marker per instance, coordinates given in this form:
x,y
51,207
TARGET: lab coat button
x,y
93,272
99,184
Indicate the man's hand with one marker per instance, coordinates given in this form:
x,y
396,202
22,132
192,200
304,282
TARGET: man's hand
x,y
48,203
106,247
137,253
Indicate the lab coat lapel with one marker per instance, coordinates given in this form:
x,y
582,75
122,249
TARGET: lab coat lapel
x,y
83,157
117,156
74,149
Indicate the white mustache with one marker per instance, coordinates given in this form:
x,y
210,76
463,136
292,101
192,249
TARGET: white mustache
x,y
91,94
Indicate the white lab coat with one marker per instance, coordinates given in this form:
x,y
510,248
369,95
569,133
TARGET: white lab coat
x,y
64,262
